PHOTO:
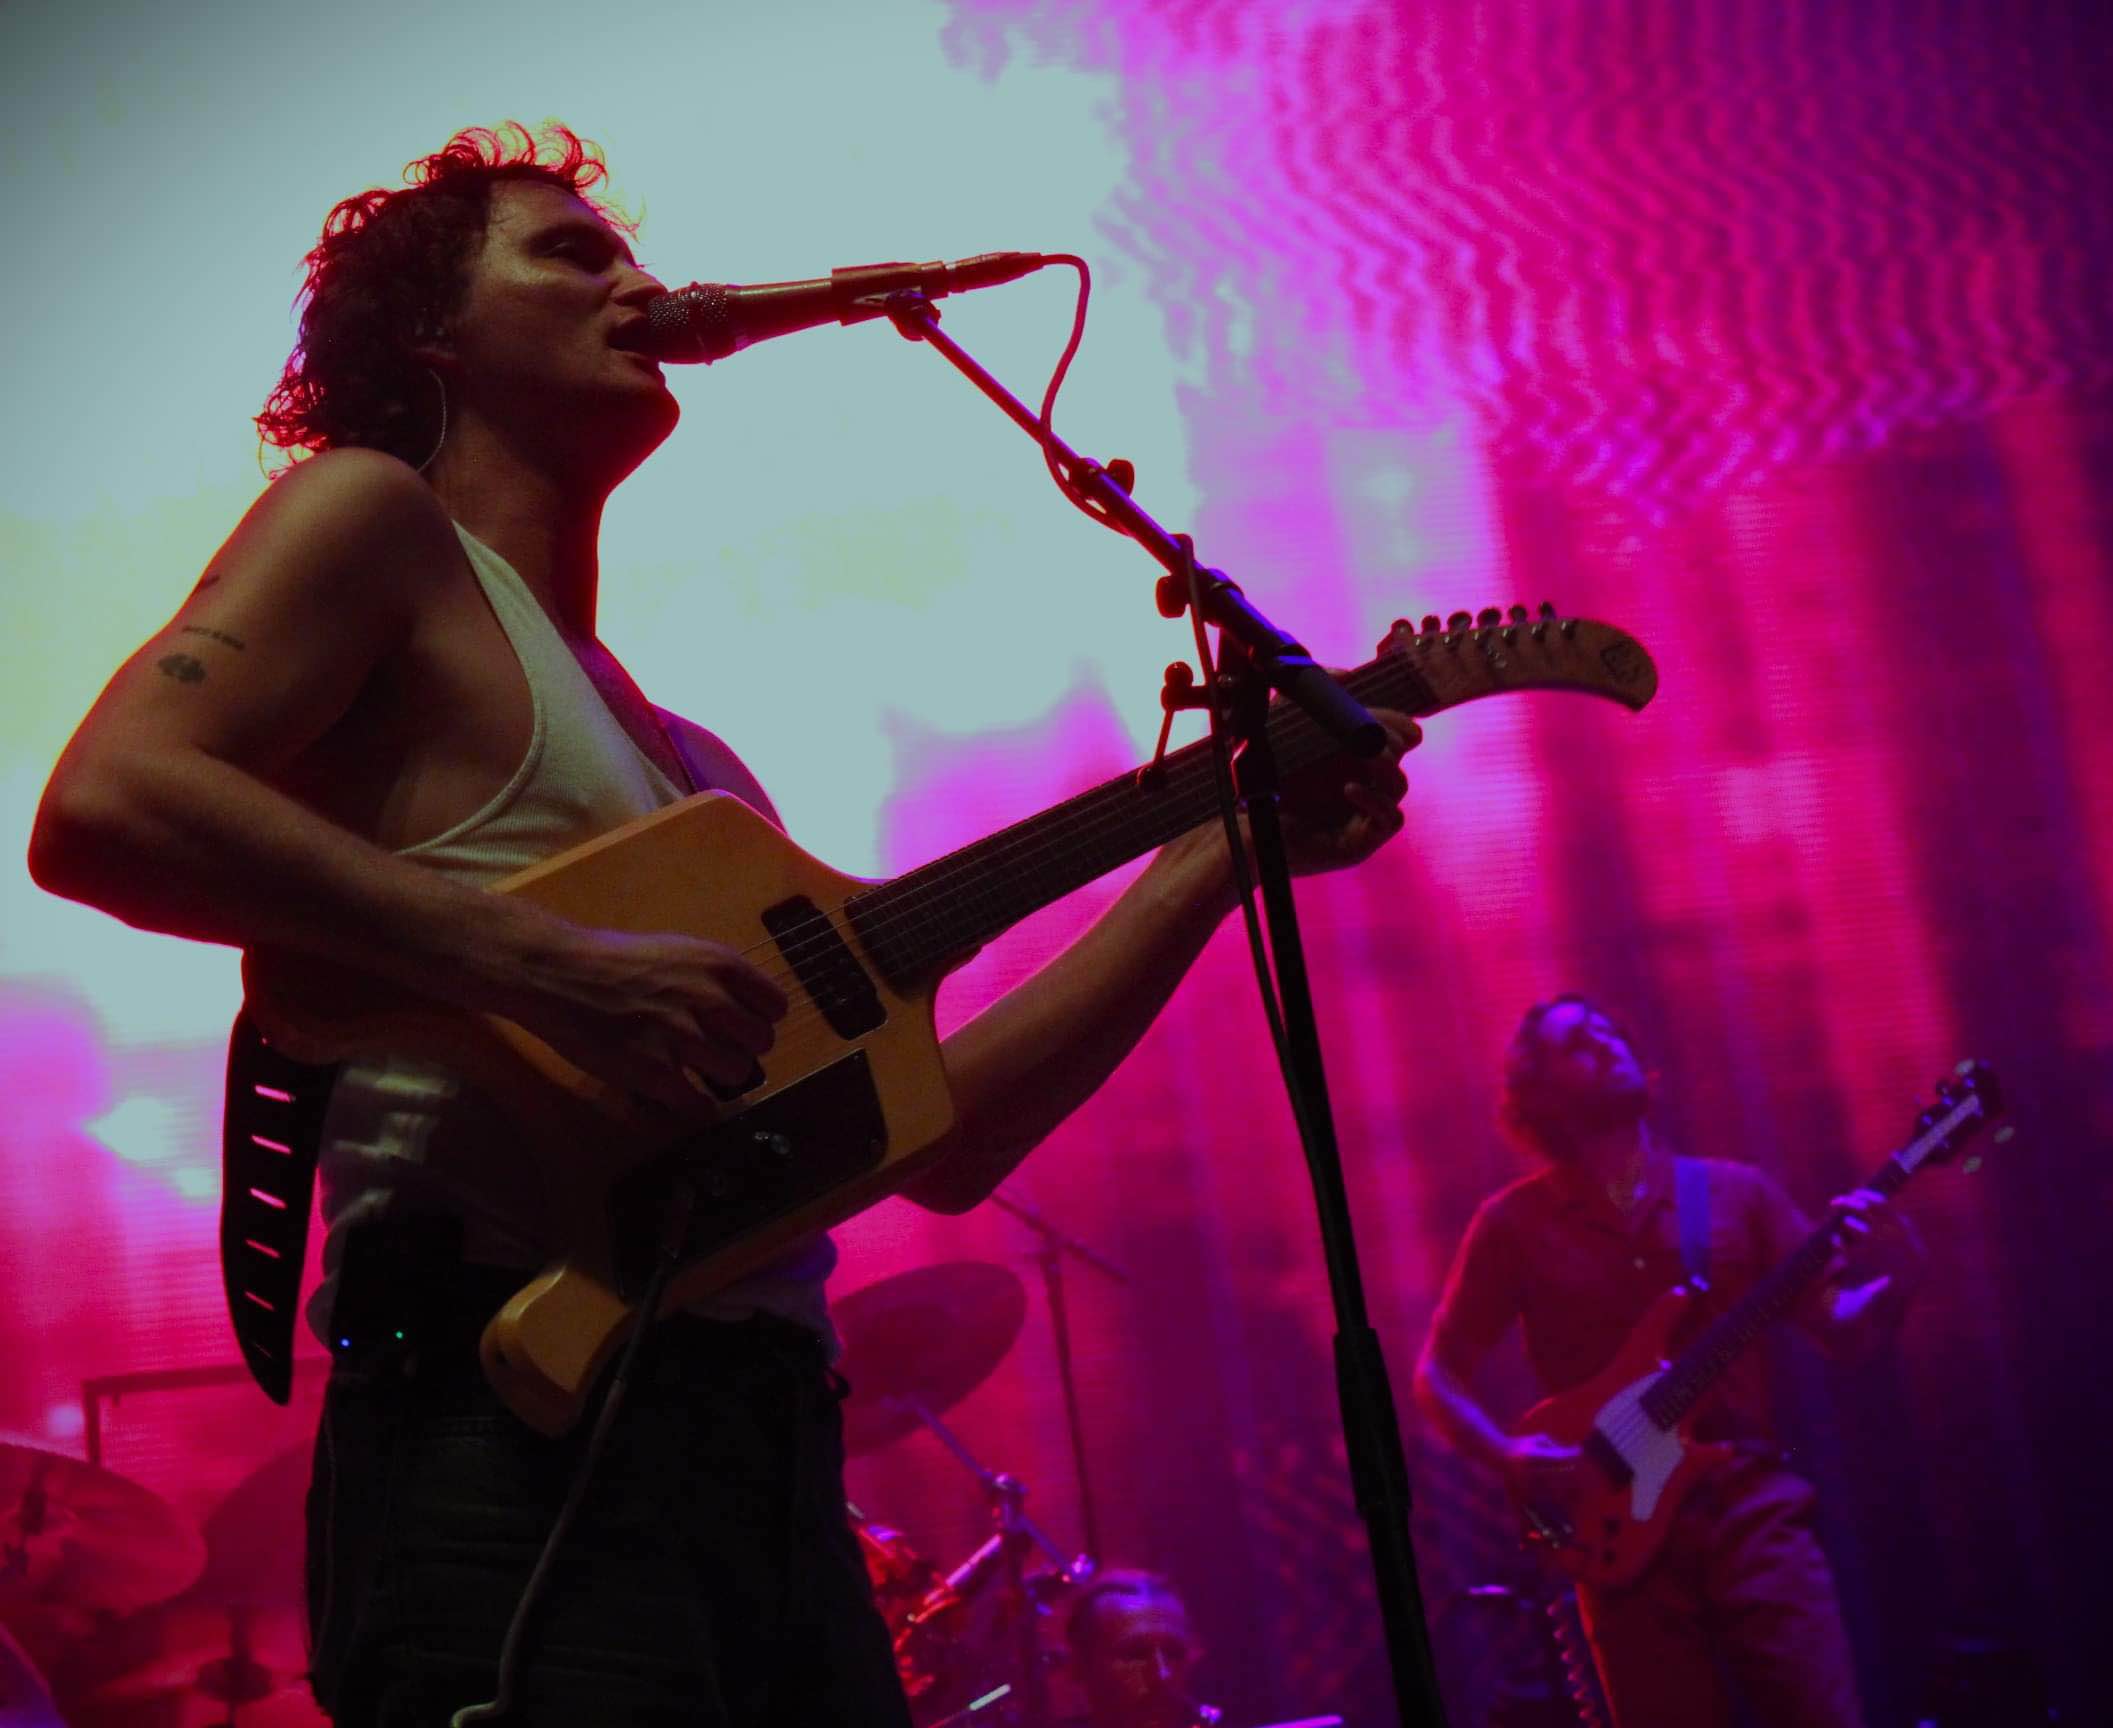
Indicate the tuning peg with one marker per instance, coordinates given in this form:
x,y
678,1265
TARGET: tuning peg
x,y
1459,620
1490,615
1519,614
1432,624
1548,610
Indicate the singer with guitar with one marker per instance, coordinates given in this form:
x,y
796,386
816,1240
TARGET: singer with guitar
x,y
1575,1254
386,695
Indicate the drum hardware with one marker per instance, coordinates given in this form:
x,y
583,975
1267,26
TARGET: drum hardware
x,y
79,1536
971,1711
178,1617
233,1654
1004,1555
933,1334
1054,1245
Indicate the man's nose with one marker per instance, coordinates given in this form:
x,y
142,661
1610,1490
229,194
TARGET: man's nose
x,y
638,287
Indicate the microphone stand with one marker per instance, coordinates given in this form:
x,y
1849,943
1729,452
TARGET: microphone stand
x,y
1055,1244
1256,657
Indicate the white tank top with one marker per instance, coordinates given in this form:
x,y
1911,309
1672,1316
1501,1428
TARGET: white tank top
x,y
406,1134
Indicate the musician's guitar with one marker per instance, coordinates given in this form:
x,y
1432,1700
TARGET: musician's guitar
x,y
853,1094
1633,1421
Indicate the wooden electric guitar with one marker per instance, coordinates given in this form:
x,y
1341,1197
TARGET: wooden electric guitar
x,y
853,1093
1633,1420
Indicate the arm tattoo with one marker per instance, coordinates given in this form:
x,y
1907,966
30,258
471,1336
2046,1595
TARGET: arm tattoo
x,y
181,667
221,636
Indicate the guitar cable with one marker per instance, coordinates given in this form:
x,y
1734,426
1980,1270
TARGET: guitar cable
x,y
512,1648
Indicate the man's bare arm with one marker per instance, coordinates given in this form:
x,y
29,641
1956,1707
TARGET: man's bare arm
x,y
1480,1304
163,809
1039,1052
1442,1395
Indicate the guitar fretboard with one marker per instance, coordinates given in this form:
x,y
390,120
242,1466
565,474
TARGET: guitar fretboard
x,y
1725,1339
916,923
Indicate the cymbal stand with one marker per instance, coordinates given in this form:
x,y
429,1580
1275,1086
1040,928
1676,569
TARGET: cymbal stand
x,y
969,1712
1008,1549
1055,1244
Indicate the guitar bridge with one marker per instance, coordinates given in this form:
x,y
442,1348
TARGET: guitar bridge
x,y
793,1148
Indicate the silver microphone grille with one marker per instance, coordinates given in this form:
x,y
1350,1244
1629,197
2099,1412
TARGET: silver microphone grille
x,y
692,323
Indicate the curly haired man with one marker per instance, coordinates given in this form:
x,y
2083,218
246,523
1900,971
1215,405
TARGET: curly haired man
x,y
387,693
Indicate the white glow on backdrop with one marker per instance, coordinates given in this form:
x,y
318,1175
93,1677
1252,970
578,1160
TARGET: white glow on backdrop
x,y
836,550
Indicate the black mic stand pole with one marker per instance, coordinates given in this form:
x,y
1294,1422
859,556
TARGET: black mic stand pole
x,y
1257,656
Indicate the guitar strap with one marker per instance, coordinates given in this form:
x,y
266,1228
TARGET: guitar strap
x,y
271,1130
1691,1204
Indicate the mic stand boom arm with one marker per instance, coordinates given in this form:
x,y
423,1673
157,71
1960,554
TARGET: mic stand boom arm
x,y
1266,658
1279,660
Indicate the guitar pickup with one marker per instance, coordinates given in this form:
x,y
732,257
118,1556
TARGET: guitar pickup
x,y
827,969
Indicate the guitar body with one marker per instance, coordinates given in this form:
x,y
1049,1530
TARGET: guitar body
x,y
835,1124
1634,1475
1633,1421
853,1095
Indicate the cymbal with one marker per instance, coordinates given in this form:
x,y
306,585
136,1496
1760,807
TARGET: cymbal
x,y
25,1701
78,1535
932,1334
254,1539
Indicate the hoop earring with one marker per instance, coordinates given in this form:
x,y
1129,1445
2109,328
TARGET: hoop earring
x,y
441,386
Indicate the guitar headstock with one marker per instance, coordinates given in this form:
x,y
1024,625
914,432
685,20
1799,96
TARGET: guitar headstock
x,y
1968,1099
1470,655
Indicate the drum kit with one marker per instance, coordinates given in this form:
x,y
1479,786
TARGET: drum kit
x,y
969,1640
116,1612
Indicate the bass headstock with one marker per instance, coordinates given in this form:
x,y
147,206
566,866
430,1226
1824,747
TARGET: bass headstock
x,y
1968,1100
1469,655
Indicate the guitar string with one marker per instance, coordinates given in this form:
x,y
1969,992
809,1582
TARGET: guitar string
x,y
1390,668
1026,843
1684,1381
1029,845
1386,669
817,932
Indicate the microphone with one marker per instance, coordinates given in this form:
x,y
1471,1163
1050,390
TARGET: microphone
x,y
707,321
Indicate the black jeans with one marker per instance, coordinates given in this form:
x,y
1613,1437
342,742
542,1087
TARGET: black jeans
x,y
710,1579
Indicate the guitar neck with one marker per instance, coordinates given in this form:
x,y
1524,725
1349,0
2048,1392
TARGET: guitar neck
x,y
917,924
1727,1338
913,925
